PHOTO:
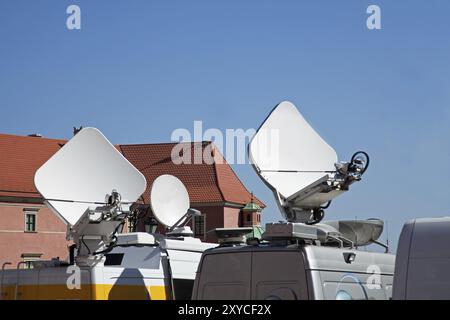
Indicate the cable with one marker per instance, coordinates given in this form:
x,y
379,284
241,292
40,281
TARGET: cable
x,y
367,160
326,206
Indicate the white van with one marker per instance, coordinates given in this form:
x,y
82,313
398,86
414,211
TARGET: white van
x,y
302,258
293,269
423,260
139,267
293,273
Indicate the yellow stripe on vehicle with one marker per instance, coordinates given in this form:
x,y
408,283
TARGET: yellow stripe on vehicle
x,y
86,292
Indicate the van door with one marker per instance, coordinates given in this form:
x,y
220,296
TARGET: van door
x,y
279,275
224,276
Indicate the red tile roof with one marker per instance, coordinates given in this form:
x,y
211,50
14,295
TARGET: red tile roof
x,y
20,157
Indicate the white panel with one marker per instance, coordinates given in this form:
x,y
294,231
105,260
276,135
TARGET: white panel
x,y
287,183
83,172
70,212
188,244
288,154
286,141
183,264
169,199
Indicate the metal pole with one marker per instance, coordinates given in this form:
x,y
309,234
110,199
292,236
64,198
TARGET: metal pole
x,y
16,293
2,278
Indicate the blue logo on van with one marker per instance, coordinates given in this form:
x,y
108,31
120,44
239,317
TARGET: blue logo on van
x,y
342,294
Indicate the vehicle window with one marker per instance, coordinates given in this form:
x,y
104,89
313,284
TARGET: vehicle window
x,y
114,259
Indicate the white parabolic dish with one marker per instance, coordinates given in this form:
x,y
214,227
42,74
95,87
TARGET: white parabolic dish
x,y
83,172
169,199
288,153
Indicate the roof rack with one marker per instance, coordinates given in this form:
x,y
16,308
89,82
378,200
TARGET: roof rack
x,y
349,233
360,232
318,234
231,236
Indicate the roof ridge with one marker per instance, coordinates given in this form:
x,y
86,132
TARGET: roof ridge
x,y
118,145
235,176
30,137
162,143
217,175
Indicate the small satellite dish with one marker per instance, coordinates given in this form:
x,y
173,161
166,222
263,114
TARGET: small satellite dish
x,y
83,172
169,200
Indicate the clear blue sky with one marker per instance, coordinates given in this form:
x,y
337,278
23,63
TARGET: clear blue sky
x,y
137,70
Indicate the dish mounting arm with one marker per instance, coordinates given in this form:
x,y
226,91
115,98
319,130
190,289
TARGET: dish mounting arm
x,y
95,232
308,205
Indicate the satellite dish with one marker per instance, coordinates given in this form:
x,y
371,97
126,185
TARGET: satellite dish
x,y
288,153
299,167
169,200
360,232
83,172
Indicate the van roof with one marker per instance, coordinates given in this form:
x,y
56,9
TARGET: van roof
x,y
430,237
323,258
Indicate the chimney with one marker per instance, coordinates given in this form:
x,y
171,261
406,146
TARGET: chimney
x,y
35,135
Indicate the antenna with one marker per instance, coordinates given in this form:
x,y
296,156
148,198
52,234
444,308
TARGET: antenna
x,y
170,204
299,167
91,186
387,236
83,173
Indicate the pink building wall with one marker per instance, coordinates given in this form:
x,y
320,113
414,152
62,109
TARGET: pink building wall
x,y
48,240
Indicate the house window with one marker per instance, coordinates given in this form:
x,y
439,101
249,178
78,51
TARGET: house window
x,y
199,225
30,220
131,225
249,217
29,258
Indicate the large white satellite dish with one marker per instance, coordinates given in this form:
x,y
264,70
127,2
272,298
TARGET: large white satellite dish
x,y
288,152
169,200
299,166
83,172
